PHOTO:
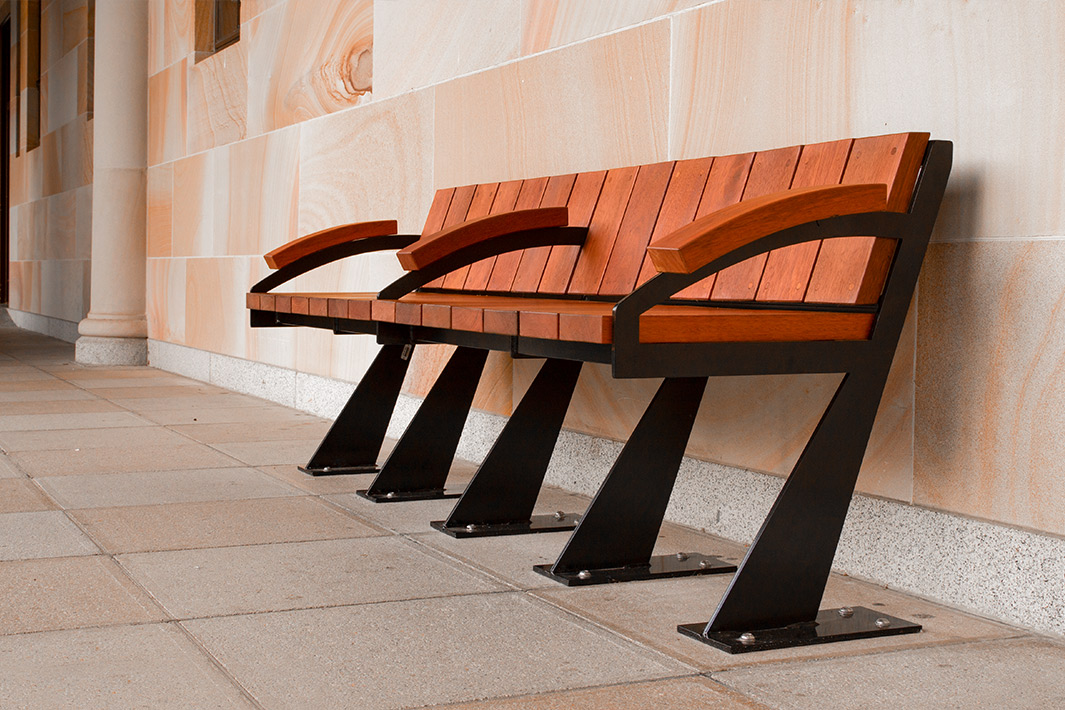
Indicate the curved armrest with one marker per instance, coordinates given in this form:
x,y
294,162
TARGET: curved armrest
x,y
697,244
446,242
297,248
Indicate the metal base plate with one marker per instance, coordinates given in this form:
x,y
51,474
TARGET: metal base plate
x,y
403,496
535,524
339,470
661,567
831,626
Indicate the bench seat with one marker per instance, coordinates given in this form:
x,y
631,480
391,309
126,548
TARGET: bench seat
x,y
578,321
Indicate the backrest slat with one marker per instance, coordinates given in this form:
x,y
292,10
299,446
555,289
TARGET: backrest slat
x,y
724,187
853,269
533,261
506,266
437,211
680,204
602,231
479,207
456,212
506,197
787,271
626,256
581,204
772,171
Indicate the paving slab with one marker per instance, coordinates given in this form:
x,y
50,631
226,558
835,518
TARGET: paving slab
x,y
78,373
187,400
69,439
266,431
148,666
156,379
674,694
257,578
649,612
180,392
414,653
47,533
319,485
8,468
112,490
68,593
511,558
65,406
51,383
180,526
191,413
62,395
24,374
267,453
81,420
21,495
1021,673
121,459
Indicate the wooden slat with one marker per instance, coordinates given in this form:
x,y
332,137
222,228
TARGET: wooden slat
x,y
602,231
536,324
586,327
506,198
338,308
506,266
504,322
383,311
581,204
772,171
435,315
282,303
853,269
359,310
409,313
464,318
688,324
438,210
787,271
682,200
300,305
626,258
479,207
317,306
533,261
724,186
456,212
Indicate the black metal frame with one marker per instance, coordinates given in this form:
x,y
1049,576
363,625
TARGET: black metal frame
x,y
794,549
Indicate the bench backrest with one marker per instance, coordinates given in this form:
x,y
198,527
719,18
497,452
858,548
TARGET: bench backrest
x,y
625,209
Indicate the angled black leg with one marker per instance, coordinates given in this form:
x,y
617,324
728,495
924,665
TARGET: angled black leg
x,y
773,600
500,498
615,538
354,441
418,466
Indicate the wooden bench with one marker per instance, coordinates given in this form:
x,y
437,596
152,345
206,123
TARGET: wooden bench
x,y
795,260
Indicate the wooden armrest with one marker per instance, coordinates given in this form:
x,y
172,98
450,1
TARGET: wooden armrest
x,y
697,244
297,248
448,241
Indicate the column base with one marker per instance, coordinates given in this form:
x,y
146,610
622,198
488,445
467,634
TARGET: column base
x,y
93,350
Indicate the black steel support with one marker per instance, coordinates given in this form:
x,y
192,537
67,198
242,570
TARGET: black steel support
x,y
353,443
500,498
782,578
615,538
418,466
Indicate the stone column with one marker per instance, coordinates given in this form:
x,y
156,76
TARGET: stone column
x,y
115,331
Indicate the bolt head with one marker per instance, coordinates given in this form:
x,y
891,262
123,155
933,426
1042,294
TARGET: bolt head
x,y
704,564
682,556
747,638
390,494
559,515
846,612
882,623
584,574
471,527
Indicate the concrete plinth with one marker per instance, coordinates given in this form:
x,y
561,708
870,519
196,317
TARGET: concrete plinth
x,y
89,350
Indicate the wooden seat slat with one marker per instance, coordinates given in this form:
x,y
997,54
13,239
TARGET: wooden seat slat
x,y
506,266
480,206
680,204
853,269
787,271
533,261
724,186
582,201
602,231
772,171
506,198
641,213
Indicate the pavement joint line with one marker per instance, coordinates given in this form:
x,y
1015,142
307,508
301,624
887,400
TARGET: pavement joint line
x,y
217,663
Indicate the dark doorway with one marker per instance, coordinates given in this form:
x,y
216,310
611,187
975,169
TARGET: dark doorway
x,y
5,157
